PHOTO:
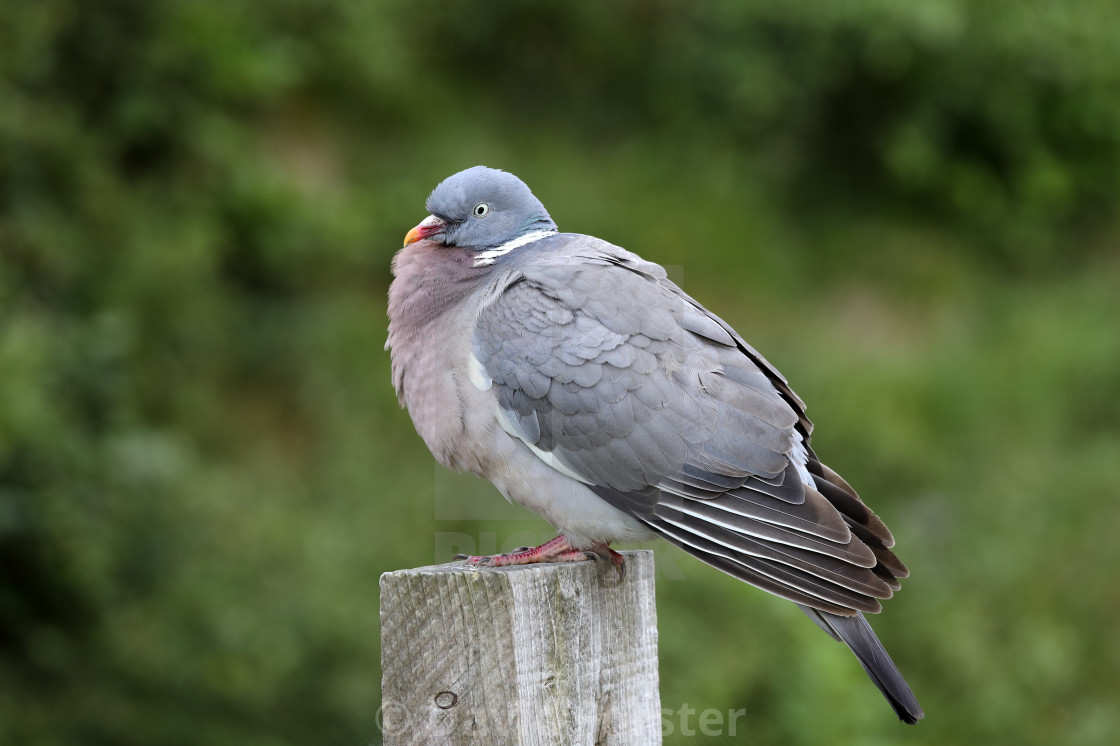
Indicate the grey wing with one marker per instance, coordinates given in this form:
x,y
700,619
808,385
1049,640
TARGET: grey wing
x,y
624,381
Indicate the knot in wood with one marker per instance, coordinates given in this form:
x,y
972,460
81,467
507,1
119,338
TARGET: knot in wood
x,y
446,700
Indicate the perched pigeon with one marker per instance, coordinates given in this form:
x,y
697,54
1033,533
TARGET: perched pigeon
x,y
592,390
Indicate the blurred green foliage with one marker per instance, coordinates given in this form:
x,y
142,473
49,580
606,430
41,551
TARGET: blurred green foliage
x,y
911,208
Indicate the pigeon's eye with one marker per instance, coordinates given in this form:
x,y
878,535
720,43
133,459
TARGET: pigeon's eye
x,y
481,209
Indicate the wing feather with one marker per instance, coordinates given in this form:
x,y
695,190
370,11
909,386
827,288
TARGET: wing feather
x,y
710,512
785,581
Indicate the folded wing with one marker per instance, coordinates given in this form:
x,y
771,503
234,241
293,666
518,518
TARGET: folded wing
x,y
615,376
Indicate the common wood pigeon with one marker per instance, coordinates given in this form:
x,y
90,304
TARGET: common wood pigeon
x,y
587,387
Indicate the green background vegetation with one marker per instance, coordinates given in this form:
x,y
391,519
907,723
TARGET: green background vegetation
x,y
909,207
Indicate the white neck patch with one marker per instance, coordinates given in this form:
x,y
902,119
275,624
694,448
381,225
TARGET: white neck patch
x,y
484,258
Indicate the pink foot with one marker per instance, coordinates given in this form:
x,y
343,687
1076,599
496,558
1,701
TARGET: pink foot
x,y
556,550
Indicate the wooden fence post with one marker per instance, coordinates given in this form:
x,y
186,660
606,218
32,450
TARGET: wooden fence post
x,y
552,654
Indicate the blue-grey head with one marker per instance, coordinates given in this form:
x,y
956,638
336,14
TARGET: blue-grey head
x,y
481,208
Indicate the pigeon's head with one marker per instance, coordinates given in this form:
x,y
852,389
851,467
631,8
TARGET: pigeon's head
x,y
481,208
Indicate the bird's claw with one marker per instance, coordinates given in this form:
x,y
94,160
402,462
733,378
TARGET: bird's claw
x,y
604,552
557,550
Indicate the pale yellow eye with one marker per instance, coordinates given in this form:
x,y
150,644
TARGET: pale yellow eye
x,y
481,209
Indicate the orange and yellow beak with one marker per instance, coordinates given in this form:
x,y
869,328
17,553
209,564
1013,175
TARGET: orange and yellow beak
x,y
428,227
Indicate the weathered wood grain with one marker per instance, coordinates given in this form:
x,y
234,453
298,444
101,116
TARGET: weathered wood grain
x,y
541,654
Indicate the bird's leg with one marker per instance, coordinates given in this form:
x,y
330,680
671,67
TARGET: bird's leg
x,y
556,550
602,550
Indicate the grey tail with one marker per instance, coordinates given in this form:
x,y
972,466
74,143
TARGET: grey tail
x,y
856,633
